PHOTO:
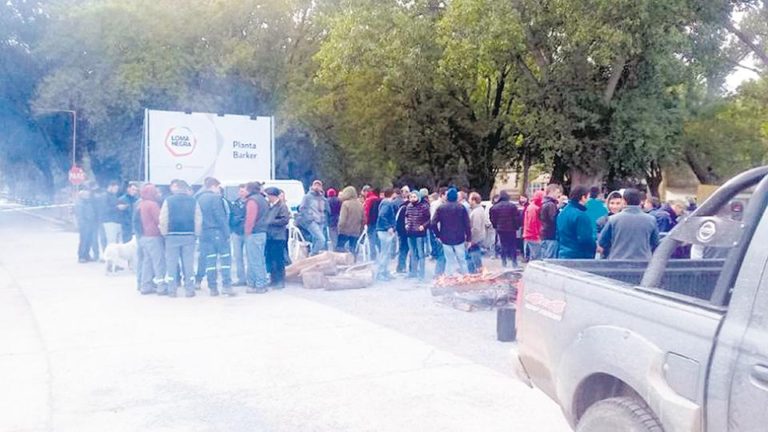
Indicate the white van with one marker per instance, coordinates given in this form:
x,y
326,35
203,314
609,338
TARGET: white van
x,y
294,191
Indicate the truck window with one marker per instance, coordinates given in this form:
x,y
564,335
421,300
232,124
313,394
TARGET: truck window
x,y
719,233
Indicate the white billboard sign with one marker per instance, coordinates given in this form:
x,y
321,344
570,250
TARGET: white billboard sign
x,y
193,146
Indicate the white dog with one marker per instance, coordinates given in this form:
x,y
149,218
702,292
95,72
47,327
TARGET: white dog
x,y
120,255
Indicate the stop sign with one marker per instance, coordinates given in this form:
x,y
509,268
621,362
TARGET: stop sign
x,y
76,175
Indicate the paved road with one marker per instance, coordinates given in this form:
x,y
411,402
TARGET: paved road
x,y
81,351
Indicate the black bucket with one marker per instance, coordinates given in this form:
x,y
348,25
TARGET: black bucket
x,y
505,325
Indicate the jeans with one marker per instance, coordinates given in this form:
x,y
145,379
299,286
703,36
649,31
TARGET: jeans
x,y
180,247
318,237
455,257
439,254
533,250
549,249
344,240
238,249
373,242
387,242
88,235
275,258
508,242
333,236
214,248
418,257
113,232
475,259
126,232
255,248
402,253
152,264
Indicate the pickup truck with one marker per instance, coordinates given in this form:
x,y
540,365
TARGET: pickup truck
x,y
668,345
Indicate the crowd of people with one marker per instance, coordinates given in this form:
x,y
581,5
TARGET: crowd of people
x,y
244,242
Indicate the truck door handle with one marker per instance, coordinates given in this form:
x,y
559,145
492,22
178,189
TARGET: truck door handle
x,y
760,373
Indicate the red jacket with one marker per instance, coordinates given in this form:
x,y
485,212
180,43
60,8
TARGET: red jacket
x,y
531,221
370,199
149,211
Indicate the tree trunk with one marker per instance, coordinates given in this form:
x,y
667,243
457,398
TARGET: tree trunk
x,y
704,173
581,178
654,177
526,171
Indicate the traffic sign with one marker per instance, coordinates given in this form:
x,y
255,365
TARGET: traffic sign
x,y
76,175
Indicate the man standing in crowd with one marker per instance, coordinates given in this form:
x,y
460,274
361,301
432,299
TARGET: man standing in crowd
x,y
504,218
180,222
479,223
402,240
452,227
630,234
437,248
214,240
85,213
548,216
126,205
532,227
416,226
151,242
256,226
385,230
370,218
334,208
237,228
574,227
112,217
666,216
278,217
313,212
595,207
350,221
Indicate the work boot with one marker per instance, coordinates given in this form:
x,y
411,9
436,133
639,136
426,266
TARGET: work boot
x,y
214,292
189,294
256,290
228,292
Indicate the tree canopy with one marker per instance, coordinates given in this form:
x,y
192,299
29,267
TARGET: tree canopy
x,y
424,92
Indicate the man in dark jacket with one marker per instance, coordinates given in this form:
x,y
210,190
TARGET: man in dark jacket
x,y
416,226
630,234
385,230
505,218
576,238
214,240
237,228
666,216
112,218
451,225
256,226
370,218
334,209
548,218
85,213
180,222
125,204
278,217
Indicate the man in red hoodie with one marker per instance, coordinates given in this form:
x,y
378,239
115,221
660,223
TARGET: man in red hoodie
x,y
532,227
151,242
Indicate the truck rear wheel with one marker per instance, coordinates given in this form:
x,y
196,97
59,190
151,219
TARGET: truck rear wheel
x,y
620,414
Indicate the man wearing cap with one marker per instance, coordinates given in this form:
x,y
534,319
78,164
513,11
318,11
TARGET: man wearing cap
x,y
214,241
180,222
256,226
313,213
451,225
278,217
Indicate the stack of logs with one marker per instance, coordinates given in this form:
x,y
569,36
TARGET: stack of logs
x,y
330,271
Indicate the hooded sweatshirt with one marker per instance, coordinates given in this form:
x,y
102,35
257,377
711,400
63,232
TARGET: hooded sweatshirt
x,y
350,213
531,222
548,217
371,209
334,208
149,211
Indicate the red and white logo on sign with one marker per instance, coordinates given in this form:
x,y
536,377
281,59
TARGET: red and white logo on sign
x,y
180,141
76,175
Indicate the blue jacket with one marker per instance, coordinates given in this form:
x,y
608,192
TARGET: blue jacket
x,y
575,233
595,210
387,215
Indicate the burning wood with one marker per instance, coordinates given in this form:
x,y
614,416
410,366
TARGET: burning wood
x,y
484,290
